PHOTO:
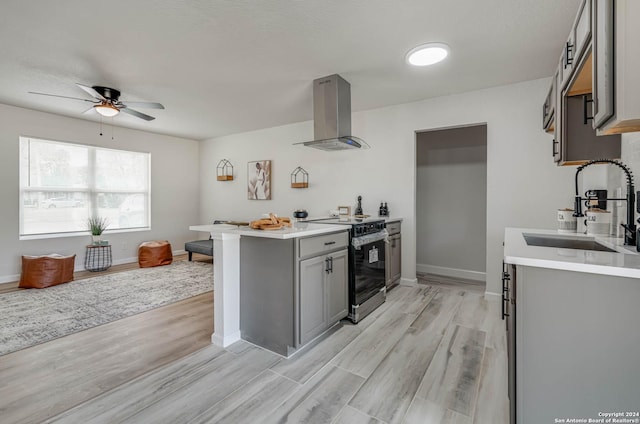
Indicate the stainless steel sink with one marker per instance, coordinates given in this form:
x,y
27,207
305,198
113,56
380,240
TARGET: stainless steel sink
x,y
565,242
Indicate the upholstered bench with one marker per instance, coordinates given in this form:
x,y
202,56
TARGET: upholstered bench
x,y
204,247
39,272
154,253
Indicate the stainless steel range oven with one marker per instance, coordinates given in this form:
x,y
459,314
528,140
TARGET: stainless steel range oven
x,y
367,281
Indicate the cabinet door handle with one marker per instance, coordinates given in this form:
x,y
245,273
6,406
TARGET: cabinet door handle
x,y
585,110
326,266
329,243
331,264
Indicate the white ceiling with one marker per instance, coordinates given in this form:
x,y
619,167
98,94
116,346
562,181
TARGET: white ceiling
x,y
223,67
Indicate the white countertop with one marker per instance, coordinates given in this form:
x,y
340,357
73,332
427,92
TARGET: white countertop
x,y
392,219
299,229
372,217
625,262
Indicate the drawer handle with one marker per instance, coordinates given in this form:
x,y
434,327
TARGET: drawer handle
x,y
329,243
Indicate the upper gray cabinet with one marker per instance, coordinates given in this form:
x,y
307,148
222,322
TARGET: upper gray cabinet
x,y
616,66
596,88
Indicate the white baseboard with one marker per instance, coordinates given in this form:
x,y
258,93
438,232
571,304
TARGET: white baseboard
x,y
492,296
9,278
451,272
408,281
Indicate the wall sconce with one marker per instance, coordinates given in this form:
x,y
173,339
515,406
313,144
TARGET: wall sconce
x,y
225,170
299,178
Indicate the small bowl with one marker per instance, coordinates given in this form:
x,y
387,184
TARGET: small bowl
x,y
300,214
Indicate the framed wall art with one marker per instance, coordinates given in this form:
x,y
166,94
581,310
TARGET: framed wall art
x,y
259,180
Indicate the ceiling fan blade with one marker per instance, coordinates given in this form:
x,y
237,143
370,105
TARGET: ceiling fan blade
x,y
64,97
148,105
137,114
92,92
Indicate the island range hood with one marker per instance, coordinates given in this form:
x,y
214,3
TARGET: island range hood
x,y
332,116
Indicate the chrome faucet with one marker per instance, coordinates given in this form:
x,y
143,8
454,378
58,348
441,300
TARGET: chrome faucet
x,y
630,230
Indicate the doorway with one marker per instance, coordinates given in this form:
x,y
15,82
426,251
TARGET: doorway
x,y
451,202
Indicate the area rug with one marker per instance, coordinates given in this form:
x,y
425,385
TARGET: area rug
x,y
30,317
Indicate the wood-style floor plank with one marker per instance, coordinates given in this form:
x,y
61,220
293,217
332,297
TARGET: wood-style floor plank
x,y
303,365
425,334
65,372
349,415
471,286
426,412
452,377
193,399
365,353
137,394
320,399
388,392
251,402
492,405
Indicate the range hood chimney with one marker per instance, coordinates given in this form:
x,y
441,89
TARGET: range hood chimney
x,y
332,115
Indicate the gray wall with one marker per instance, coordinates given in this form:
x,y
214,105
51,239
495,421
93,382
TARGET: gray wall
x,y
451,202
175,186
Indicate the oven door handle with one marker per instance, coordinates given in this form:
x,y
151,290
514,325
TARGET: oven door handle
x,y
360,241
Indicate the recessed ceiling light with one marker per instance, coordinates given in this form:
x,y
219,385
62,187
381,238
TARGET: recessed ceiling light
x,y
427,54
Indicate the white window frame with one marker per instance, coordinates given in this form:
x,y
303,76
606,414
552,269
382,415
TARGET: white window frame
x,y
91,191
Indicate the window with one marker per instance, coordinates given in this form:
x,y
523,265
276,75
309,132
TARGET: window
x,y
63,184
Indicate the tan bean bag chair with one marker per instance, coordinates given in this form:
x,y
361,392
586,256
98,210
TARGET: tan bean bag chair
x,y
39,272
154,253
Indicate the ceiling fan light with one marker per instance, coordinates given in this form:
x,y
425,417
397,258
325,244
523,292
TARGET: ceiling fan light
x,y
107,110
427,54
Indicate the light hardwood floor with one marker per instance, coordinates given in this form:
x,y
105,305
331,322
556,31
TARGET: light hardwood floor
x,y
431,354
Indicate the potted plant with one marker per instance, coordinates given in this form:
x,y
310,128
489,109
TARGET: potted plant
x,y
97,225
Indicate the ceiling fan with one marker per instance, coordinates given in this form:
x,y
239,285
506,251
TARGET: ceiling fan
x,y
107,102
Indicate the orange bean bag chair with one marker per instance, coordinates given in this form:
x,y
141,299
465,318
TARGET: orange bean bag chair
x,y
39,272
154,253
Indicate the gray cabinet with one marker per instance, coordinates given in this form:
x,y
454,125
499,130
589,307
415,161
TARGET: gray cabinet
x,y
616,66
557,133
602,62
394,254
576,344
575,139
323,293
292,290
338,287
549,106
579,140
313,315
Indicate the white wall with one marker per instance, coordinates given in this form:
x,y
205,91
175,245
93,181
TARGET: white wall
x,y
631,157
175,187
524,187
451,202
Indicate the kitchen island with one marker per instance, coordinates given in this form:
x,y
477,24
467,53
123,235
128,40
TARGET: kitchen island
x,y
571,318
259,293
